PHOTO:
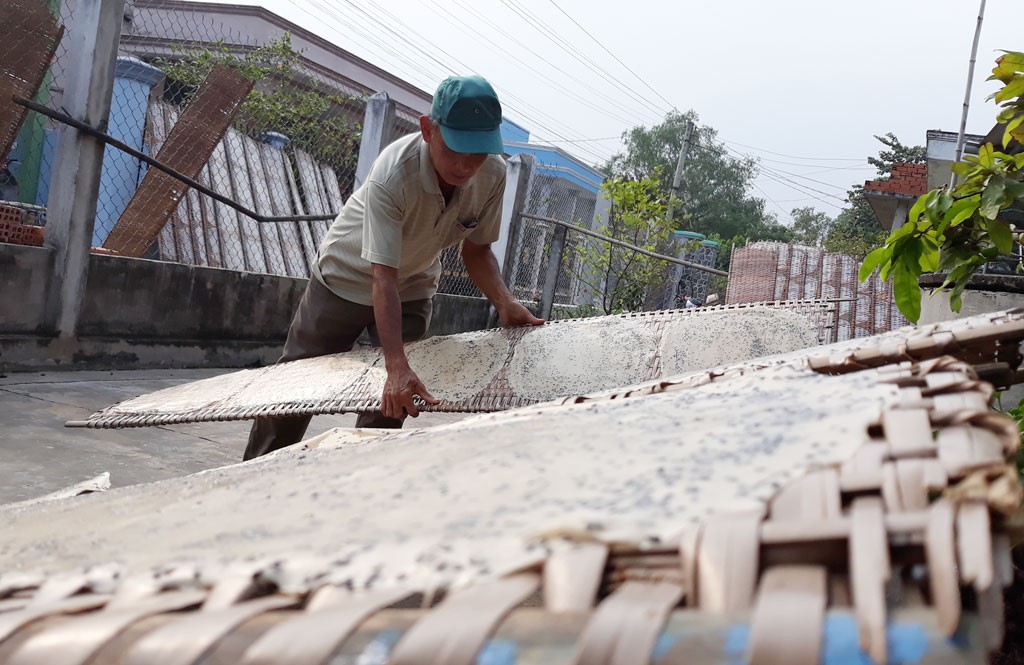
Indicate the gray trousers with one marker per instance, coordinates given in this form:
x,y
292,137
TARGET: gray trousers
x,y
326,324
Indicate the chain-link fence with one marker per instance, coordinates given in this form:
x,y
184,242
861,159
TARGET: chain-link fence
x,y
34,39
533,240
559,235
260,130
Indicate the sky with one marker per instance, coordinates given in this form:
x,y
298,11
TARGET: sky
x,y
801,85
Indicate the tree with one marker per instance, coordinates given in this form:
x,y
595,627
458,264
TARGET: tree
x,y
714,193
639,216
810,226
897,152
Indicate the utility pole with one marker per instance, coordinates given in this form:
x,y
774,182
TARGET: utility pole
x,y
677,182
677,179
967,94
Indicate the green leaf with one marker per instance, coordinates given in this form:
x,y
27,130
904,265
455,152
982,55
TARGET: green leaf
x,y
907,291
1006,66
960,211
1000,235
1011,90
944,201
872,260
992,197
886,270
918,208
929,260
962,169
1015,190
958,276
985,156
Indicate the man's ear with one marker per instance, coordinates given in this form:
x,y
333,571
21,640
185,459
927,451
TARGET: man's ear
x,y
426,127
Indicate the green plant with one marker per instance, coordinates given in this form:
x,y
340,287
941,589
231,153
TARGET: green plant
x,y
284,100
639,216
958,231
586,310
1017,413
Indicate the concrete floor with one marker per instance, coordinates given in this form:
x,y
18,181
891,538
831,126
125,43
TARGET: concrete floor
x,y
38,455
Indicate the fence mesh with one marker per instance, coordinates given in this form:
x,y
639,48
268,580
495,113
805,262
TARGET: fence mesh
x,y
288,148
278,135
532,240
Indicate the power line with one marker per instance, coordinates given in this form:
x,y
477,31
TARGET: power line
x,y
555,85
781,174
803,189
585,60
770,198
605,138
446,66
824,170
781,154
596,41
433,76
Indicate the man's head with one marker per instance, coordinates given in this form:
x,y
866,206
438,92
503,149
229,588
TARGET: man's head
x,y
464,127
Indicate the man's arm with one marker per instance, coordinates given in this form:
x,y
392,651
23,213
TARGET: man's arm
x,y
402,383
483,270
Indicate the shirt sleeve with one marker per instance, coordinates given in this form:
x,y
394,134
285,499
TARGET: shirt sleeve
x,y
489,228
382,226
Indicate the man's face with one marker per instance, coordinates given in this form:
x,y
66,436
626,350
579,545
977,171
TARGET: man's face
x,y
453,168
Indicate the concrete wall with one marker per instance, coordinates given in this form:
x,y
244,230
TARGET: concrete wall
x,y
144,314
936,308
140,299
24,276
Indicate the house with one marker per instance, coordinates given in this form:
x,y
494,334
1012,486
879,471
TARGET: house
x,y
891,199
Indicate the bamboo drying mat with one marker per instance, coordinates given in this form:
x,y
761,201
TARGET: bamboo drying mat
x,y
990,342
478,363
774,499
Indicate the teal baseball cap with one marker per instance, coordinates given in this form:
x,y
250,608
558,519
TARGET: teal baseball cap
x,y
469,113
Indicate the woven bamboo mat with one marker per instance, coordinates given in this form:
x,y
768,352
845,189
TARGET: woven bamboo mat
x,y
776,498
494,370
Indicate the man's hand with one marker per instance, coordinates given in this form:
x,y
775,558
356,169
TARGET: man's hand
x,y
483,270
399,389
514,313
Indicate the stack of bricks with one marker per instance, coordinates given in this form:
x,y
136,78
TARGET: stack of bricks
x,y
14,230
906,179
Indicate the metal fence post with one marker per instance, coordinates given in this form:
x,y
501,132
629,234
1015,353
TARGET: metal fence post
x,y
547,299
378,124
92,50
517,186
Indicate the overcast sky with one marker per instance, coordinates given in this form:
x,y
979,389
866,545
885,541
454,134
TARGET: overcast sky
x,y
801,84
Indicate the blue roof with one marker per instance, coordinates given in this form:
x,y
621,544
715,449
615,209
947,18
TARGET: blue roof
x,y
557,162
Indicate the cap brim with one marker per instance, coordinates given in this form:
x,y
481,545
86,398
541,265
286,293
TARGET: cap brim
x,y
487,142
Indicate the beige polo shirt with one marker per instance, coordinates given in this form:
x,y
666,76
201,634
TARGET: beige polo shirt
x,y
398,218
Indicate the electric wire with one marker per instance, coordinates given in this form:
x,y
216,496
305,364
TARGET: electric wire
x,y
578,55
599,43
511,101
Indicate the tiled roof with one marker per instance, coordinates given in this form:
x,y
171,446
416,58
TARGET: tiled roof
x,y
906,179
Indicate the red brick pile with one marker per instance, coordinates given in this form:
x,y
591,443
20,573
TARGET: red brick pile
x,y
906,179
14,230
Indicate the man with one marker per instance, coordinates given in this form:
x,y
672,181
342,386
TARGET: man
x,y
378,265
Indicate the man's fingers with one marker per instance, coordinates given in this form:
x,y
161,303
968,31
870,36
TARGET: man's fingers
x,y
410,406
427,397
